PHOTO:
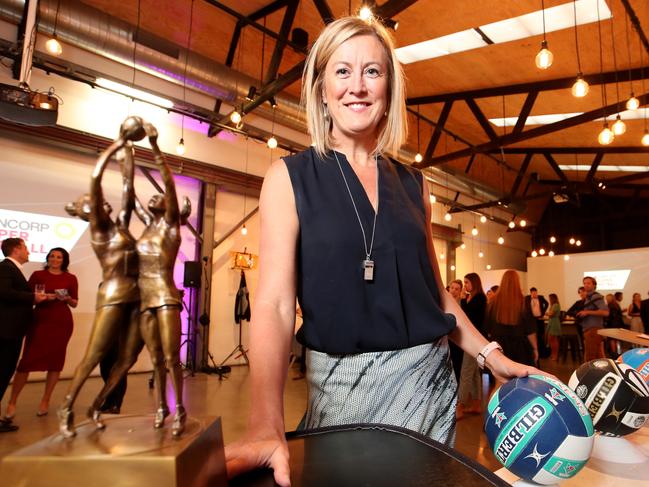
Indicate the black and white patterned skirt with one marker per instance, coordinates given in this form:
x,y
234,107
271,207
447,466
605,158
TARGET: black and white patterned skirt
x,y
413,388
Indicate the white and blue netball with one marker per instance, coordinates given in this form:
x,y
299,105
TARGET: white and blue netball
x,y
638,358
615,394
539,429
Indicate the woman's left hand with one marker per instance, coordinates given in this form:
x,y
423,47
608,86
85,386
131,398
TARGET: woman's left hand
x,y
505,369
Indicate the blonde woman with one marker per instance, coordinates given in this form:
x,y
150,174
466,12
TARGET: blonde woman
x,y
348,231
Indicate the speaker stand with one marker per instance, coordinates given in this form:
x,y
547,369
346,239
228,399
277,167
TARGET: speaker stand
x,y
237,350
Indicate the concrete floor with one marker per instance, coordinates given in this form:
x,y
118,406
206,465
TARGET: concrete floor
x,y
206,395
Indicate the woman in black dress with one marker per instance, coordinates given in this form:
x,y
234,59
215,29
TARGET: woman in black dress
x,y
510,323
474,305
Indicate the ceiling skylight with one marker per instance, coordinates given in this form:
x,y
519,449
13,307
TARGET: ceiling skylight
x,y
558,117
528,25
603,167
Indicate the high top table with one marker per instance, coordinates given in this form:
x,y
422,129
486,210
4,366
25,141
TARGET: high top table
x,y
625,336
372,456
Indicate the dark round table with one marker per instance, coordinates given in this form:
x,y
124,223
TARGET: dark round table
x,y
372,455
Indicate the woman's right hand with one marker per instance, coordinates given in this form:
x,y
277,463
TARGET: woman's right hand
x,y
258,450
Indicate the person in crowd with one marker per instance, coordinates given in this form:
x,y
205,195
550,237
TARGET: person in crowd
x,y
538,305
347,230
553,329
592,318
613,320
578,305
474,304
48,337
634,314
644,314
510,322
455,288
489,294
16,302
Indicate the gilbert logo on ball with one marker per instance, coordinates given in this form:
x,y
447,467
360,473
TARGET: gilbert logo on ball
x,y
539,429
638,358
617,397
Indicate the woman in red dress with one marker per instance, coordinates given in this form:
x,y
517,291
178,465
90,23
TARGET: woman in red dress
x,y
48,337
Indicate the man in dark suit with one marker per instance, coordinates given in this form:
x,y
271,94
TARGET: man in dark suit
x,y
16,302
537,305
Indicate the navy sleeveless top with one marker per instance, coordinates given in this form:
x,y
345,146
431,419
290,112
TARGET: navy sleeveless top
x,y
342,312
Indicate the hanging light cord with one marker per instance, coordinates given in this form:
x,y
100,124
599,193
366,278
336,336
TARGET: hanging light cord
x,y
418,146
628,45
189,46
574,8
617,86
137,32
56,18
601,63
543,16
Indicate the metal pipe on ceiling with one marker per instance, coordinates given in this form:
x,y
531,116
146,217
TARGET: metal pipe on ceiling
x,y
100,33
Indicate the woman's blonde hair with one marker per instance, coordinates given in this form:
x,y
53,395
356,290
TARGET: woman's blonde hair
x,y
394,127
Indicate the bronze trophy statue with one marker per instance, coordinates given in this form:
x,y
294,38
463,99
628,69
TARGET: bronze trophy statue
x,y
137,300
137,304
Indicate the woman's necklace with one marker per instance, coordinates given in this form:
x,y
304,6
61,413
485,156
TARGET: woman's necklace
x,y
368,263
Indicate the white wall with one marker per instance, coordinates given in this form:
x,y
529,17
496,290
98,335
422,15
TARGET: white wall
x,y
563,277
511,255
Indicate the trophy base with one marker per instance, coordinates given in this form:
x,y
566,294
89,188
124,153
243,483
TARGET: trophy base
x,y
129,452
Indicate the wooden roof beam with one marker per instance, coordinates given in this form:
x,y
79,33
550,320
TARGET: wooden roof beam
x,y
549,85
509,139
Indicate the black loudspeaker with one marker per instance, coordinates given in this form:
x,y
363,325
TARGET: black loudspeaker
x,y
192,274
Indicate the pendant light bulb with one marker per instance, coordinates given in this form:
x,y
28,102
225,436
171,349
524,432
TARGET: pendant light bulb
x,y
632,103
619,127
534,253
481,254
522,223
501,240
553,239
272,143
448,217
578,243
418,157
365,13
551,253
433,199
483,219
463,246
645,138
541,251
571,241
53,46
180,148
606,136
580,87
488,267
235,117
474,231
545,57
452,267
244,230
512,224
566,257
